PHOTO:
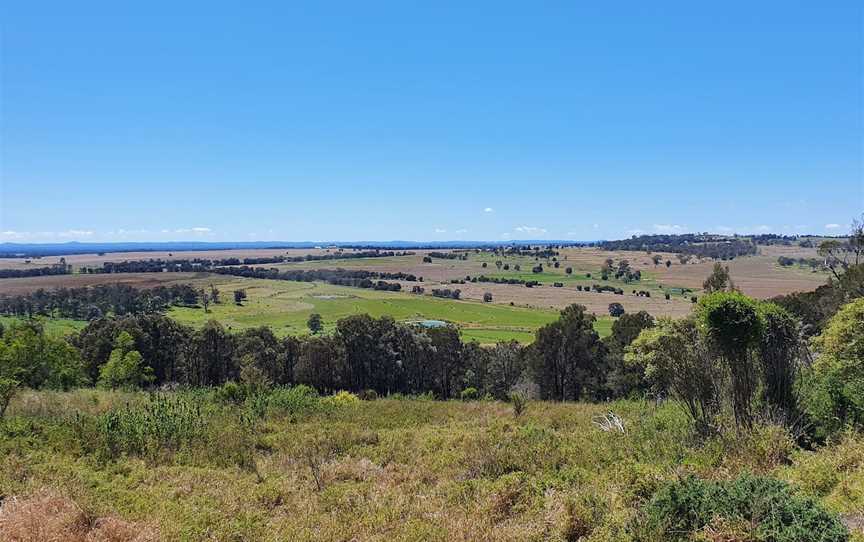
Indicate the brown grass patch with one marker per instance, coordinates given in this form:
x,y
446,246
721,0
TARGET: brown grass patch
x,y
47,516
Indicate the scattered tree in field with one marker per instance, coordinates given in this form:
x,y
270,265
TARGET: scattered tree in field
x,y
841,255
125,368
499,264
568,270
668,264
205,300
239,296
483,265
315,323
517,267
487,297
656,259
616,309
214,294
719,280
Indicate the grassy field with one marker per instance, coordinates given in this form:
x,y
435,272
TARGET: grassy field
x,y
54,326
403,470
286,306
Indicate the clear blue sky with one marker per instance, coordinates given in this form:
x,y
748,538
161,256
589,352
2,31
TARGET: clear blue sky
x,y
428,121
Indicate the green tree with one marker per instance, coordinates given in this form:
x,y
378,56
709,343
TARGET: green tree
x,y
568,360
779,353
719,280
315,323
676,360
836,396
733,324
125,368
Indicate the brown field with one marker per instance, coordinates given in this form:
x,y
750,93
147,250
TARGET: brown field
x,y
758,276
138,280
92,259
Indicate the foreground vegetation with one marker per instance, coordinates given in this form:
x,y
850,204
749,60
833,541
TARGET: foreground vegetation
x,y
288,465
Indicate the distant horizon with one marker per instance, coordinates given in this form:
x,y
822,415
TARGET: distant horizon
x,y
187,245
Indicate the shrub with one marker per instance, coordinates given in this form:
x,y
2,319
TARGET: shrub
x,y
520,402
230,392
836,396
295,401
343,398
765,508
368,395
470,394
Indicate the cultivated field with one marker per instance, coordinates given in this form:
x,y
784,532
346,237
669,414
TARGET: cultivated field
x,y
514,313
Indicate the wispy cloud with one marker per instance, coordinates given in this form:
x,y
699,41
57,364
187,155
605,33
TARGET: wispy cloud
x,y
488,210
724,229
635,231
440,230
13,235
196,229
832,226
463,230
669,228
763,228
530,229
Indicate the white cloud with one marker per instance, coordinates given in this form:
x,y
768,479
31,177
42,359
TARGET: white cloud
x,y
635,231
530,229
763,228
11,234
505,235
669,228
488,210
596,226
74,233
197,229
463,230
724,229
440,230
832,226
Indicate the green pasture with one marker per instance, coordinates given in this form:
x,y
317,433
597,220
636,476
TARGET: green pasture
x,y
285,306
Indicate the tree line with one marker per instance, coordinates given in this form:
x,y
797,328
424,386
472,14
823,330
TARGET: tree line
x,y
158,265
694,244
357,278
91,302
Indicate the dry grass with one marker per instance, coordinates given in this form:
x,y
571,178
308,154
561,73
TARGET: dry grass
x,y
48,516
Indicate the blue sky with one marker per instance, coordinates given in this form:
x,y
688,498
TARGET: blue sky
x,y
428,121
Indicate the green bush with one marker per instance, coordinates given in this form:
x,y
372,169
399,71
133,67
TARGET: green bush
x,y
835,390
469,394
764,508
230,392
155,430
295,401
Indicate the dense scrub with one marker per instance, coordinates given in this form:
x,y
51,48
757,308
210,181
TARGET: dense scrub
x,y
232,463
